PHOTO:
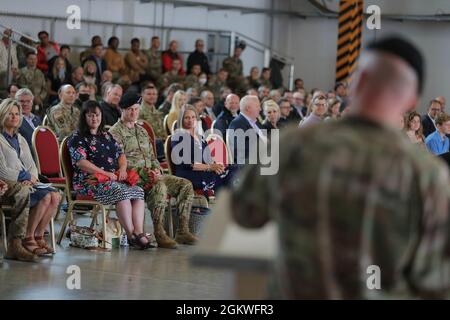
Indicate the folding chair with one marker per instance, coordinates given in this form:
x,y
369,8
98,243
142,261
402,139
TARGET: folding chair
x,y
5,206
207,120
174,126
219,149
168,151
166,127
152,137
74,198
46,149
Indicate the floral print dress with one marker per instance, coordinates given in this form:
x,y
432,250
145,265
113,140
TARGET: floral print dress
x,y
103,151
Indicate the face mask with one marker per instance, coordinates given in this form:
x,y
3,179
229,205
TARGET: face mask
x,y
202,81
83,97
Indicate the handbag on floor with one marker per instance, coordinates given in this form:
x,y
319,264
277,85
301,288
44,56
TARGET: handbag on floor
x,y
83,237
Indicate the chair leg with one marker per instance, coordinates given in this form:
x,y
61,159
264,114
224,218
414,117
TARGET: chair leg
x,y
52,234
102,208
69,217
4,236
94,216
61,202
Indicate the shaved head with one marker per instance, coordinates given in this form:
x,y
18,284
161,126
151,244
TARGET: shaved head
x,y
383,87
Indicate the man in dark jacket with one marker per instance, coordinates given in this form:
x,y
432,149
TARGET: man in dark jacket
x,y
228,114
198,57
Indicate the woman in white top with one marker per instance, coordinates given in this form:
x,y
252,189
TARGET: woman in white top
x,y
16,164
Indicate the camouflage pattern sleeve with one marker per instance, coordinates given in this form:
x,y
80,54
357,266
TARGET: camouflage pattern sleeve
x,y
427,263
251,198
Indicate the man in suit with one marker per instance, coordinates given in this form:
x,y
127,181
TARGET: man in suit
x,y
244,145
299,109
428,120
30,121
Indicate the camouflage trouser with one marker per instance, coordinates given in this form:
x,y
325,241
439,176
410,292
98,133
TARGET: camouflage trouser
x,y
176,187
18,196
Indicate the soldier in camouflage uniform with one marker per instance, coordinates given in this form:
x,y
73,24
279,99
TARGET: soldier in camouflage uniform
x,y
356,193
234,66
191,80
154,66
149,112
154,117
135,143
63,118
173,76
32,78
217,82
18,196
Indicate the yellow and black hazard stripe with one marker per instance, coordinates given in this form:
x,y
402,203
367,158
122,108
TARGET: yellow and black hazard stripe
x,y
351,14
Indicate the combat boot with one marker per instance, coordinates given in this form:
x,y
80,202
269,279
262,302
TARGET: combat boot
x,y
16,251
163,240
183,235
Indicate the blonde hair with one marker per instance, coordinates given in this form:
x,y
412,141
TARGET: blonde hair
x,y
183,110
270,104
88,63
55,66
176,101
5,108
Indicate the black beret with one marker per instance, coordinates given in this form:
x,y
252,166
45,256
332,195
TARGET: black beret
x,y
129,99
405,50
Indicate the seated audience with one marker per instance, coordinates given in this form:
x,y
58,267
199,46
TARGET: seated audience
x,y
11,90
154,117
318,108
428,120
17,166
333,112
94,151
272,114
57,76
63,117
46,50
413,128
171,54
438,142
110,105
227,115
136,144
200,168
179,99
30,121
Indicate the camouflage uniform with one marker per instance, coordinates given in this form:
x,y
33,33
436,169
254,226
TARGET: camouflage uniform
x,y
168,78
135,144
34,80
265,83
215,85
18,196
154,118
154,66
363,195
234,66
63,120
191,81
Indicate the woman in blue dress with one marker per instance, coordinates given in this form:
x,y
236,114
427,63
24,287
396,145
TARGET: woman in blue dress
x,y
93,150
192,157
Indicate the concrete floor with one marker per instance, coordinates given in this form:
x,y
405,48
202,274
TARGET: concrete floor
x,y
120,274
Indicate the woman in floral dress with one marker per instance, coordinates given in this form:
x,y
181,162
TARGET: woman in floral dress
x,y
100,171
